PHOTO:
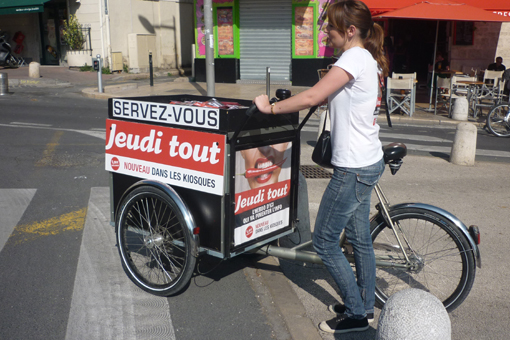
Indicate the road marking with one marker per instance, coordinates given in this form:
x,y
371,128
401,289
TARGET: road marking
x,y
72,221
13,203
30,124
50,149
105,303
101,134
422,138
448,149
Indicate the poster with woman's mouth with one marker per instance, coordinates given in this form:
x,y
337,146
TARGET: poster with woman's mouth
x,y
262,191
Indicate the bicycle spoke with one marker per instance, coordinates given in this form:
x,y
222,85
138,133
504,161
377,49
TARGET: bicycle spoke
x,y
437,258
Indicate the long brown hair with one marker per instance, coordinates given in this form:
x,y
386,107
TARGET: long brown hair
x,y
345,13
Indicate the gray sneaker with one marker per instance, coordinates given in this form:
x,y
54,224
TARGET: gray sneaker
x,y
339,309
344,324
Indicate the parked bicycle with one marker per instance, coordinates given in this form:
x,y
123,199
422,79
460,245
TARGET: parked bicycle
x,y
498,120
416,245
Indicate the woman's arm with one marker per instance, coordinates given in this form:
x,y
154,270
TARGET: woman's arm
x,y
335,79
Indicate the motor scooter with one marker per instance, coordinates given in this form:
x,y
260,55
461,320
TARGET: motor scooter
x,y
6,57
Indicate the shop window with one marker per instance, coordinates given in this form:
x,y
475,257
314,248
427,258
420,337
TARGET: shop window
x,y
225,32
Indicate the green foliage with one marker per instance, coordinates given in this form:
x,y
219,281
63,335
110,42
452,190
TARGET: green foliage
x,y
72,34
106,70
125,68
86,68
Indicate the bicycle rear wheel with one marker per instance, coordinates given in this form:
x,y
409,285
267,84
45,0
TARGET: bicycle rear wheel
x,y
154,242
498,120
442,262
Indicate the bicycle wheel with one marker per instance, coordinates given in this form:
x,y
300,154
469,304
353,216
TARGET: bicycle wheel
x,y
154,242
442,262
498,120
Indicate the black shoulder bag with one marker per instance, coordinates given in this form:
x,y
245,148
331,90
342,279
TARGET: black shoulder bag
x,y
322,151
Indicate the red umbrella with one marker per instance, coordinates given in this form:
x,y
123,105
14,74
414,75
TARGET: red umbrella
x,y
442,10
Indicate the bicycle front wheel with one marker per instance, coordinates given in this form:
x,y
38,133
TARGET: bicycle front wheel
x,y
498,120
154,242
441,261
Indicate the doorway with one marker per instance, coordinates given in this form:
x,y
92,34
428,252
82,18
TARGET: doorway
x,y
52,21
413,45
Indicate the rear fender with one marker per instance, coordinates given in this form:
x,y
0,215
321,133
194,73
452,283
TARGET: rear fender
x,y
448,216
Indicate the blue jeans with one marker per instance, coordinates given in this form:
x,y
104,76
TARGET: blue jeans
x,y
346,205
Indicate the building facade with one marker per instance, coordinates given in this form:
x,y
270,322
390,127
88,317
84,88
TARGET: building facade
x,y
287,36
121,31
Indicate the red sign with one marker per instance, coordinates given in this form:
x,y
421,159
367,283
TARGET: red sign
x,y
186,158
193,150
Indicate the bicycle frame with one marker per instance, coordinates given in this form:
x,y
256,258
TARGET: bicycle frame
x,y
296,253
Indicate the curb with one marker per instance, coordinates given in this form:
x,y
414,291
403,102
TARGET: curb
x,y
284,305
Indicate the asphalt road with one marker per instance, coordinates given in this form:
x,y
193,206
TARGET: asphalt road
x,y
55,223
60,265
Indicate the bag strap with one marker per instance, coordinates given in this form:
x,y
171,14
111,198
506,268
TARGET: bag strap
x,y
325,120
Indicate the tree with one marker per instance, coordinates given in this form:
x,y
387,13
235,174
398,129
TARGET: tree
x,y
72,33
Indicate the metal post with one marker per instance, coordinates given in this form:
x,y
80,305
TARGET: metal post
x,y
4,84
430,109
268,81
209,47
99,74
150,70
193,62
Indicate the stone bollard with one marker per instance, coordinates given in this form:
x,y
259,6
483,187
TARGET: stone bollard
x,y
464,145
460,109
4,84
33,70
413,314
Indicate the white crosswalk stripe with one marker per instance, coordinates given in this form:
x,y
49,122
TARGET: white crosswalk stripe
x,y
431,144
13,203
105,303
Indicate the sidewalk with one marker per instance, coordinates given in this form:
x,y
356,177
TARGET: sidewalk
x,y
301,296
124,85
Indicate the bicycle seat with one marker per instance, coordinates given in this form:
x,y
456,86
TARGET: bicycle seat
x,y
394,151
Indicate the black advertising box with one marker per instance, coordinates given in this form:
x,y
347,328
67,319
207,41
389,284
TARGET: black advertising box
x,y
237,174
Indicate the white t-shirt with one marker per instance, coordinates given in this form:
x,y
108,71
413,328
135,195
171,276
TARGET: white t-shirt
x,y
354,128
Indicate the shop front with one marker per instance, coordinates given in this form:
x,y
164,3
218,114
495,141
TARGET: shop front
x,y
287,36
251,35
33,28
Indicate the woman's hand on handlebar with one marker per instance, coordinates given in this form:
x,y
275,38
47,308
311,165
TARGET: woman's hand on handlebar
x,y
263,104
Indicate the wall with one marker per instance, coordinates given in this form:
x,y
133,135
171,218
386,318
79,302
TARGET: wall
x,y
481,53
504,44
28,24
170,21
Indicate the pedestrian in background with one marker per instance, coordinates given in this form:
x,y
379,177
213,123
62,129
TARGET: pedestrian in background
x,y
351,87
497,66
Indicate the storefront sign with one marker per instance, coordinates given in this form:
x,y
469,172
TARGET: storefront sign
x,y
503,13
225,31
184,158
304,31
262,193
21,10
202,117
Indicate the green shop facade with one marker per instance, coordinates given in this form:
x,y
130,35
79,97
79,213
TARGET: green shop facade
x,y
250,35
